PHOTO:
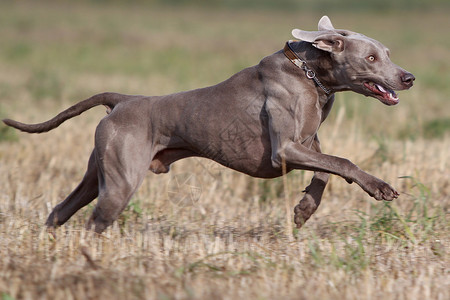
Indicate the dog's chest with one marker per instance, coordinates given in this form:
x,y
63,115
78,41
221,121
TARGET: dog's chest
x,y
307,119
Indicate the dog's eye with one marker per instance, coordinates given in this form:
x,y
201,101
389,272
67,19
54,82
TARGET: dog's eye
x,y
371,58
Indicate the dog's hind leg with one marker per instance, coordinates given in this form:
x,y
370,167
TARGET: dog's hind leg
x,y
84,193
122,167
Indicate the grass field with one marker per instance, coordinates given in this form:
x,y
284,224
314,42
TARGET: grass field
x,y
203,231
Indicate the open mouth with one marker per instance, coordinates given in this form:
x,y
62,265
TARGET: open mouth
x,y
385,95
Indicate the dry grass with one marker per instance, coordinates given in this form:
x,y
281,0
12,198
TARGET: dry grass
x,y
202,231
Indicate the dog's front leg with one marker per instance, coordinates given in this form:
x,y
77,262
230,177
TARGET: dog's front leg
x,y
313,193
311,200
298,156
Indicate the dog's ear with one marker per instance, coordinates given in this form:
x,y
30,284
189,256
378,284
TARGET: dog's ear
x,y
333,43
307,36
325,24
324,40
327,38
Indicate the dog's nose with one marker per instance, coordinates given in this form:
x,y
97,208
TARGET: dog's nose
x,y
408,79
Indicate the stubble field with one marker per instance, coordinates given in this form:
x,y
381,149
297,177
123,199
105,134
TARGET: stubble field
x,y
203,231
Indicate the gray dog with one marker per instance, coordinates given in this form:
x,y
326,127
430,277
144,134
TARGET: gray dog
x,y
263,121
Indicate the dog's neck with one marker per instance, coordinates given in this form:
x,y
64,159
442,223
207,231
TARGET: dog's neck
x,y
302,64
318,61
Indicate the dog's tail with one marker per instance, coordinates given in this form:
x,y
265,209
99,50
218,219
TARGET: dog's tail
x,y
110,100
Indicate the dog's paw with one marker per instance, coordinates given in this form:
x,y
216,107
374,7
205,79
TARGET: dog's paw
x,y
304,210
380,190
300,218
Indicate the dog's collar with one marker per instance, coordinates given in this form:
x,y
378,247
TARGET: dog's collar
x,y
296,60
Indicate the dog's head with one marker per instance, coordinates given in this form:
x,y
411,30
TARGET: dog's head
x,y
361,64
